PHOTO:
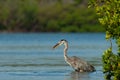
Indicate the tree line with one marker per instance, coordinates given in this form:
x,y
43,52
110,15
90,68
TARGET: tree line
x,y
47,16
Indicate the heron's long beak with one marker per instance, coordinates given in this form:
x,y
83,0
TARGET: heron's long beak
x,y
55,45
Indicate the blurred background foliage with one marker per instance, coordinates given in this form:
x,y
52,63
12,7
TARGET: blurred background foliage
x,y
48,16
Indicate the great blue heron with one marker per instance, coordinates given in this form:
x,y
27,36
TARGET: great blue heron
x,y
78,64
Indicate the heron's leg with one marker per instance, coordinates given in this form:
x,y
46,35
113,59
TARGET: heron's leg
x,y
77,70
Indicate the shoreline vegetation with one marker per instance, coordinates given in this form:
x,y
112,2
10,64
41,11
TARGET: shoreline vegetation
x,y
48,16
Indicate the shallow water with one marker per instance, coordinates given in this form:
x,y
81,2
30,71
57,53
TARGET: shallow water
x,y
29,56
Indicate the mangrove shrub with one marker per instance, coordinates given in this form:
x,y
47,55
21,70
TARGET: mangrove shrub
x,y
109,17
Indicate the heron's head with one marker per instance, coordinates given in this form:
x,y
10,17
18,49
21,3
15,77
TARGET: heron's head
x,y
63,41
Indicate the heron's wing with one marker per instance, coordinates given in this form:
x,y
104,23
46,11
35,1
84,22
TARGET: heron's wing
x,y
78,60
81,64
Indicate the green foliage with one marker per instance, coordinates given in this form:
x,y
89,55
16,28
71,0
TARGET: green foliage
x,y
111,65
78,1
33,15
16,15
109,17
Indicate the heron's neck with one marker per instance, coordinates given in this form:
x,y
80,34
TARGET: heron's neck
x,y
65,51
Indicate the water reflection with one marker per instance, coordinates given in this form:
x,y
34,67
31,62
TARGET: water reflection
x,y
97,75
79,76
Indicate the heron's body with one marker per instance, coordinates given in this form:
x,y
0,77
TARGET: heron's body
x,y
78,64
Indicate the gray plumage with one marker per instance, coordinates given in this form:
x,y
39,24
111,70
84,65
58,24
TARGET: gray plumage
x,y
78,64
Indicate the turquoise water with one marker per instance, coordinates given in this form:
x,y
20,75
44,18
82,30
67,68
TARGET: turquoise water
x,y
29,56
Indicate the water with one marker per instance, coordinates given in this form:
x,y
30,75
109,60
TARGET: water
x,y
29,56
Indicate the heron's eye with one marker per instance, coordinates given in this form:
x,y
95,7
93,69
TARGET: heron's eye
x,y
62,40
